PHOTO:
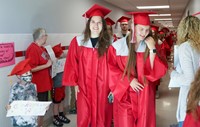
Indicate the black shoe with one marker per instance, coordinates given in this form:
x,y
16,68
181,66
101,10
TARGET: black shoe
x,y
72,111
57,122
64,119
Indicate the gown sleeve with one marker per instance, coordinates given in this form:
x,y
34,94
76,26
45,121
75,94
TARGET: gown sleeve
x,y
158,71
117,83
70,74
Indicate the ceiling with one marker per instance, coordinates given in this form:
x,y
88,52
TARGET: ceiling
x,y
177,9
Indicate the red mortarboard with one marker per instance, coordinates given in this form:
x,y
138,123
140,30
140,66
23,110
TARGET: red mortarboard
x,y
141,17
161,32
21,68
154,28
57,50
96,10
165,29
109,21
123,19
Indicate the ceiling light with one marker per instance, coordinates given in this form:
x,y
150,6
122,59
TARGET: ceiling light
x,y
159,14
152,7
163,19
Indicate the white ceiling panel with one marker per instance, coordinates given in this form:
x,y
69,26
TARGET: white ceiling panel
x,y
177,8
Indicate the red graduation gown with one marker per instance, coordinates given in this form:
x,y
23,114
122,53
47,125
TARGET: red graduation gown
x,y
89,71
133,109
125,99
190,121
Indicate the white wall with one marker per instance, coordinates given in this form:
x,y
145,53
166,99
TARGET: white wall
x,y
192,7
61,18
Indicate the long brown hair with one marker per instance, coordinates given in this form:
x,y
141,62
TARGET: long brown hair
x,y
104,38
194,96
131,63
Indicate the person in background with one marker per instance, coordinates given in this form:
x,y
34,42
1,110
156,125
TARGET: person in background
x,y
86,66
133,67
192,118
110,23
40,64
72,109
188,39
160,52
58,92
23,89
124,27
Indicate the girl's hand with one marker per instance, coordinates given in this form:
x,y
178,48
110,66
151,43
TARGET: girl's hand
x,y
136,86
150,42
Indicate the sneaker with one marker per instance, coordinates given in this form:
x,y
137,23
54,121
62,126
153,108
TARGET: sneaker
x,y
57,122
72,111
64,119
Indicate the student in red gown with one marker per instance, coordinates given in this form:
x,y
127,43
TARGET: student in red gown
x,y
160,53
133,67
124,27
192,118
86,66
110,23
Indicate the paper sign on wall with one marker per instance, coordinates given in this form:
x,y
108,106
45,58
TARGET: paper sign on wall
x,y
7,54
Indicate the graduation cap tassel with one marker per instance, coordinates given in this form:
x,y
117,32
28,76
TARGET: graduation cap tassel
x,y
133,40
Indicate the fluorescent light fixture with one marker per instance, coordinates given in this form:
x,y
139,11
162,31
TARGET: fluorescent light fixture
x,y
163,19
159,15
152,7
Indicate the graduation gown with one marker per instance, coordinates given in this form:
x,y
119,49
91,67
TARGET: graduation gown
x,y
125,99
190,121
86,69
133,109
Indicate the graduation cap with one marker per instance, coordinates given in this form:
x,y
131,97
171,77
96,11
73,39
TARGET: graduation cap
x,y
123,19
141,18
165,29
109,21
96,10
57,50
154,28
21,68
161,32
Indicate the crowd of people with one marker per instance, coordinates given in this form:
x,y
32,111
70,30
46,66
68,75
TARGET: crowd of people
x,y
115,76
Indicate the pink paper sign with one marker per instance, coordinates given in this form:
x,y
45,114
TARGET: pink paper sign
x,y
7,54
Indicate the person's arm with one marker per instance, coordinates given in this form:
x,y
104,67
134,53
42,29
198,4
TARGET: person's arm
x,y
117,83
70,74
151,45
41,67
186,63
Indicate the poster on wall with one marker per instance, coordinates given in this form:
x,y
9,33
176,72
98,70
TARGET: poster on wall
x,y
7,54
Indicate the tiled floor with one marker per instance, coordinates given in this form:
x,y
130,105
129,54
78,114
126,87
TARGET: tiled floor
x,y
165,106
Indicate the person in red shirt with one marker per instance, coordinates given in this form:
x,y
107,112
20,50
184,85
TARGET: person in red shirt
x,y
133,67
58,92
86,66
40,64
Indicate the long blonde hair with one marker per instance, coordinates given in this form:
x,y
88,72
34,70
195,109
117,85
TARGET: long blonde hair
x,y
189,30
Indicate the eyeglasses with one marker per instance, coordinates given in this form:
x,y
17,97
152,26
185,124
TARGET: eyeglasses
x,y
124,24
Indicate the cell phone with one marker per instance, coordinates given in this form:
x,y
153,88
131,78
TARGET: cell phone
x,y
110,98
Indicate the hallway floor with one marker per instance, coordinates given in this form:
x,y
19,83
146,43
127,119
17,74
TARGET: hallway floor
x,y
165,106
